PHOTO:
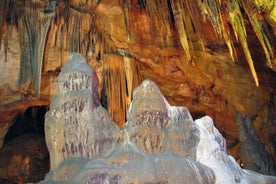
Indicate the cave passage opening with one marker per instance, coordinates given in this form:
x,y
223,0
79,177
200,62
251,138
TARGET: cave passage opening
x,y
24,147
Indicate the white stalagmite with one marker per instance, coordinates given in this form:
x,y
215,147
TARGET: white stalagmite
x,y
77,125
211,151
160,144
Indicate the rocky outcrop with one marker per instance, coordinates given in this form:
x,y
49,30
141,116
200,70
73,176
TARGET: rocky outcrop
x,y
77,125
252,152
161,143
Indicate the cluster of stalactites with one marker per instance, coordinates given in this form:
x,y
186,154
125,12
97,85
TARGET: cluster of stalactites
x,y
78,29
226,18
32,20
224,13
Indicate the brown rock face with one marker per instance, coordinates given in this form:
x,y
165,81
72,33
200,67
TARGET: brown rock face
x,y
24,159
186,47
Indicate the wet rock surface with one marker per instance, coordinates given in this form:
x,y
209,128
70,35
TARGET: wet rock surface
x,y
160,144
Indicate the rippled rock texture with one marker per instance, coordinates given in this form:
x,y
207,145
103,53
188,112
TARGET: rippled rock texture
x,y
160,144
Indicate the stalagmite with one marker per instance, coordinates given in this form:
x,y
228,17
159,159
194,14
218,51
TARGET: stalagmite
x,y
127,41
160,144
252,152
77,125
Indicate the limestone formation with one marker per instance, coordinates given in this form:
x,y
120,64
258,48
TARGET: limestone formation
x,y
186,47
181,45
253,153
36,14
77,125
211,151
156,127
161,143
164,168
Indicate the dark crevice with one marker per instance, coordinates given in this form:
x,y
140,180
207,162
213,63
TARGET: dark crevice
x,y
31,121
104,97
198,114
142,4
171,16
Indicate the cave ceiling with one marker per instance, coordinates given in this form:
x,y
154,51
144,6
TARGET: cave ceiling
x,y
216,57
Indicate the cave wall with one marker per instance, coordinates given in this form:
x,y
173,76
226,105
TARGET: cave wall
x,y
187,47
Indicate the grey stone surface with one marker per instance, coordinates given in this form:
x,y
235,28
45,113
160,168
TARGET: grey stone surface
x,y
252,152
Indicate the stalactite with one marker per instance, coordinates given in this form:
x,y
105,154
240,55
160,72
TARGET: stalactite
x,y
142,4
132,78
156,16
129,79
74,30
34,26
52,38
196,21
125,5
45,22
210,8
259,32
162,7
192,8
3,22
225,31
6,20
115,91
269,5
236,20
171,15
78,30
120,78
215,12
180,25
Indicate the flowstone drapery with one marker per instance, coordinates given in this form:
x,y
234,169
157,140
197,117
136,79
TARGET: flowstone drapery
x,y
160,144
